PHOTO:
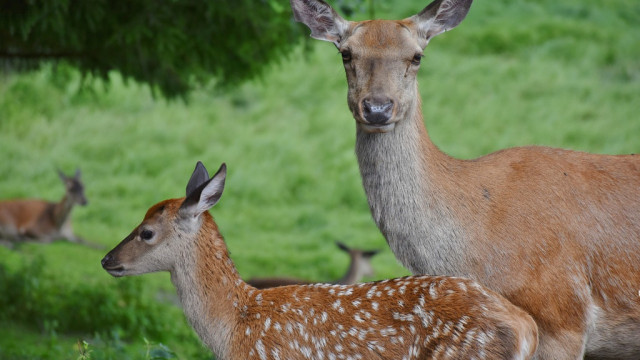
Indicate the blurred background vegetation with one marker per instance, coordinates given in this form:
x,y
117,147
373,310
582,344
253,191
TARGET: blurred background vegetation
x,y
273,107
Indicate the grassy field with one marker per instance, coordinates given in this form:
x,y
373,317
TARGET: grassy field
x,y
564,74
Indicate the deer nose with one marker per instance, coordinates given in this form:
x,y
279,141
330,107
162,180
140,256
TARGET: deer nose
x,y
377,111
105,259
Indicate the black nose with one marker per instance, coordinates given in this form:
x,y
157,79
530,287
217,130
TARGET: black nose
x,y
377,111
105,259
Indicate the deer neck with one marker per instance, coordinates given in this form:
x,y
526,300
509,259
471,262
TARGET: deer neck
x,y
61,211
403,174
353,273
210,289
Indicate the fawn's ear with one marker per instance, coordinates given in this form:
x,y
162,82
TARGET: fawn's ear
x,y
207,194
324,22
440,16
77,174
199,177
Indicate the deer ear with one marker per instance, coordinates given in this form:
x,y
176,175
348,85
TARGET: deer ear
x,y
440,16
342,246
324,22
199,177
370,253
78,173
206,195
62,176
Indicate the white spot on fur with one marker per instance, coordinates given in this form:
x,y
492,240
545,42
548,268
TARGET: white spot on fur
x,y
261,351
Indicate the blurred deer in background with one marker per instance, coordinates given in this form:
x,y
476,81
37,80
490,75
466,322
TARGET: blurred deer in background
x,y
42,221
555,231
405,318
359,267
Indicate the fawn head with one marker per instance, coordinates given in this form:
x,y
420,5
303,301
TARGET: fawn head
x,y
168,228
381,57
74,187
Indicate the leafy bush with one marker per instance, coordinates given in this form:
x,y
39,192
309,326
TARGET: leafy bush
x,y
34,296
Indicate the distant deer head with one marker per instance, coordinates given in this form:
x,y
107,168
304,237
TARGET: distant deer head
x,y
359,266
74,188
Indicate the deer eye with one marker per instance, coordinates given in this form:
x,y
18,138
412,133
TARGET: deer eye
x,y
416,59
346,55
146,234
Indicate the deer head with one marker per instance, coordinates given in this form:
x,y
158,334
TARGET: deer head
x,y
381,57
168,230
74,187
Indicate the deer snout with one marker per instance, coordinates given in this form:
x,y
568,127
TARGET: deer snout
x,y
106,259
112,266
377,111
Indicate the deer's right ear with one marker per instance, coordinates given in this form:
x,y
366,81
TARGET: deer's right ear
x,y
205,195
324,22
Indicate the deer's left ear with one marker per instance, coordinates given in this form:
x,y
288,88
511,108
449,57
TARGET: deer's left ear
x,y
198,177
440,16
205,195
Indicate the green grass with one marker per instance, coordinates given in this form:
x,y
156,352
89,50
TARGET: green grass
x,y
514,73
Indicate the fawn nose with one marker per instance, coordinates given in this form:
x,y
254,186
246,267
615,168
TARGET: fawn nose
x,y
377,111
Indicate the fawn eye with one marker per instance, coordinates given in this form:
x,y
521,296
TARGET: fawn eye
x,y
146,234
346,55
416,59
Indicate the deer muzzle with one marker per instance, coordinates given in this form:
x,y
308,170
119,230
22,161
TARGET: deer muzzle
x,y
377,113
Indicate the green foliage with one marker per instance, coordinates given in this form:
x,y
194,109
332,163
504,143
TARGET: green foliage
x,y
170,45
84,353
36,297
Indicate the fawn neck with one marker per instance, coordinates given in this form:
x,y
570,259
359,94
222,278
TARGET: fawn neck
x,y
210,288
404,176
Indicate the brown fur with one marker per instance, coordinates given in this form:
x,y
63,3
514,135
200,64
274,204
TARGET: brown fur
x,y
555,231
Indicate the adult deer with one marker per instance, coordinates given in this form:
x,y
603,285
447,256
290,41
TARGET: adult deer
x,y
40,220
557,232
406,318
359,267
